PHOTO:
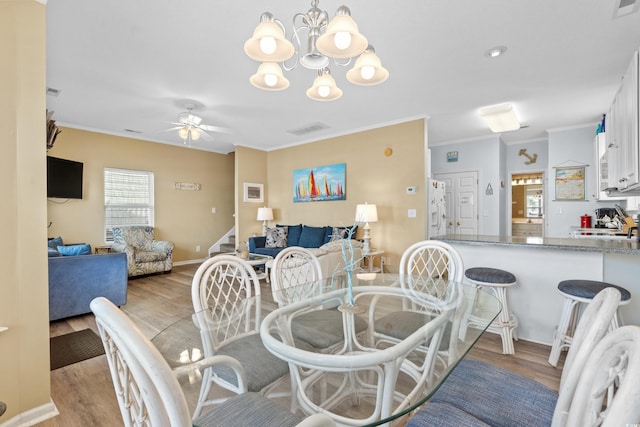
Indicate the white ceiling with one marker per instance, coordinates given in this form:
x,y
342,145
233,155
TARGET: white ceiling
x,y
123,64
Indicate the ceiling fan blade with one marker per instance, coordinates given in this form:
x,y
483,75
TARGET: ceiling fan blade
x,y
172,129
215,129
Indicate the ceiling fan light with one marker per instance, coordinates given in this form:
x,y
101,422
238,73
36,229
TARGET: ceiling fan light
x,y
342,38
183,132
500,118
324,87
195,134
269,77
368,70
268,43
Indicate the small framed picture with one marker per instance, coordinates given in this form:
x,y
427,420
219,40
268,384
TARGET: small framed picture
x,y
253,192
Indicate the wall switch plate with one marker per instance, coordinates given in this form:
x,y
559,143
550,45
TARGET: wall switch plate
x,y
412,213
411,190
213,210
198,248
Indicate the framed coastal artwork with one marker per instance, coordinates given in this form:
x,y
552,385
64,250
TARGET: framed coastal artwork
x,y
253,192
321,183
570,183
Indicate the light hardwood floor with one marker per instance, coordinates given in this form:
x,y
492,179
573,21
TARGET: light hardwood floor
x,y
83,392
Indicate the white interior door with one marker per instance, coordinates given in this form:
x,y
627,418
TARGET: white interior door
x,y
462,201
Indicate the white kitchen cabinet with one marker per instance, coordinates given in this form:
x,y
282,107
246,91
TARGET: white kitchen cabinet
x,y
623,151
602,152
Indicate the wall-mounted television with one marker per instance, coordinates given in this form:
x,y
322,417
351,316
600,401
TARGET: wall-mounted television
x,y
64,178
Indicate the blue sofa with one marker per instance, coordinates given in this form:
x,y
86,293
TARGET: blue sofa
x,y
74,281
301,235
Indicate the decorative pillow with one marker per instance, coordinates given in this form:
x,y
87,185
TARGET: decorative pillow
x,y
53,253
276,237
312,237
73,250
343,233
293,234
54,243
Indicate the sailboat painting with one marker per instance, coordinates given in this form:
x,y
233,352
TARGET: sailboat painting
x,y
321,183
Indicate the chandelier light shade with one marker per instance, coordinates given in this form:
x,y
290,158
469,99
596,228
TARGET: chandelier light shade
x,y
342,39
314,42
264,214
500,118
268,43
368,69
366,213
269,77
324,87
188,134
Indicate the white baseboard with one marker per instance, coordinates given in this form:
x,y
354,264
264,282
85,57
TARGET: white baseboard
x,y
189,261
33,416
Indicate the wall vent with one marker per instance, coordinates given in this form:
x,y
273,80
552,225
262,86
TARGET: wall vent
x,y
312,127
625,7
53,92
132,131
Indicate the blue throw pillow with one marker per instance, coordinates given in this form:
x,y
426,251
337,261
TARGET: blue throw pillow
x,y
293,234
54,243
53,252
73,250
312,237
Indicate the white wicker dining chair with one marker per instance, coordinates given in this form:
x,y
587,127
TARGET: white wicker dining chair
x,y
481,393
148,391
425,267
226,298
295,266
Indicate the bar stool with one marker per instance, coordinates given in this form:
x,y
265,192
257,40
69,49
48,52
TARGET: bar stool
x,y
498,281
576,292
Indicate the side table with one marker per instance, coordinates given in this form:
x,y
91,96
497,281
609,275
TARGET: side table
x,y
103,249
368,261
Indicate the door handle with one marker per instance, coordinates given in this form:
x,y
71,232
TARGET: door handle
x,y
457,222
450,222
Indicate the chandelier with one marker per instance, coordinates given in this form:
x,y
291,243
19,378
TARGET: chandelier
x,y
338,40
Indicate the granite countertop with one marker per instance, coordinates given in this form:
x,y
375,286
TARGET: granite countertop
x,y
619,246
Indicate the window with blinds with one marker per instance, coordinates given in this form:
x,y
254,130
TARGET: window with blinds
x,y
128,199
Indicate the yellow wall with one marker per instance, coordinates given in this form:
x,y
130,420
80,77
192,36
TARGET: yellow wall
x,y
181,216
372,177
251,167
24,348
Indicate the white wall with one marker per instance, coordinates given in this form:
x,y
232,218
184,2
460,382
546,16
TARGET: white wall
x,y
484,156
570,147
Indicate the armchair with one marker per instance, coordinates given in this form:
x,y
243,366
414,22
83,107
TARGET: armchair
x,y
145,255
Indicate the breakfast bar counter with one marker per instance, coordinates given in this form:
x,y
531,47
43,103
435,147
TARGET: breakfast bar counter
x,y
540,263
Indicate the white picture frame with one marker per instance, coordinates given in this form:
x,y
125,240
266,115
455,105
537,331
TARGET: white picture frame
x,y
253,192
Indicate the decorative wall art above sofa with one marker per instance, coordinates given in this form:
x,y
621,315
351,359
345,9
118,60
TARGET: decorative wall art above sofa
x,y
321,183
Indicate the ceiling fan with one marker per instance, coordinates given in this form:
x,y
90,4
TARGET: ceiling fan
x,y
190,127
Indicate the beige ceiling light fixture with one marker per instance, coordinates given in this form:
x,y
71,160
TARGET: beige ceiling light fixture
x,y
500,118
314,42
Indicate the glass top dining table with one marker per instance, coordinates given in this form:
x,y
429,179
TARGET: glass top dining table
x,y
397,339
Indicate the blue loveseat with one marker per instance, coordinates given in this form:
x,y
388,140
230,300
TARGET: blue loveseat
x,y
74,281
300,235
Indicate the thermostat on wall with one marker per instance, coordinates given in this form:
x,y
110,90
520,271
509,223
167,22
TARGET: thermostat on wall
x,y
411,190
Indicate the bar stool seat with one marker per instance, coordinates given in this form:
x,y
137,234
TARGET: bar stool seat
x,y
497,281
575,292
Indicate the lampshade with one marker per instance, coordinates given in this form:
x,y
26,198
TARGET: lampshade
x,y
500,118
342,38
268,43
366,213
269,77
265,214
324,87
368,70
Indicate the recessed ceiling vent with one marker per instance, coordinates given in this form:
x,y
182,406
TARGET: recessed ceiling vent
x,y
53,92
625,7
313,127
132,131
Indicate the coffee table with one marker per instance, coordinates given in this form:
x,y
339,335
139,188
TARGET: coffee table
x,y
255,260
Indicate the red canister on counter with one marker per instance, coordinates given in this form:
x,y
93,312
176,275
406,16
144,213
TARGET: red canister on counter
x,y
585,221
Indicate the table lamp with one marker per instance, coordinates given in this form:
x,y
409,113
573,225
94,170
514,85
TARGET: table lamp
x,y
265,214
366,213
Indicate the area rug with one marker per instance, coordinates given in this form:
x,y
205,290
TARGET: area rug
x,y
74,347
